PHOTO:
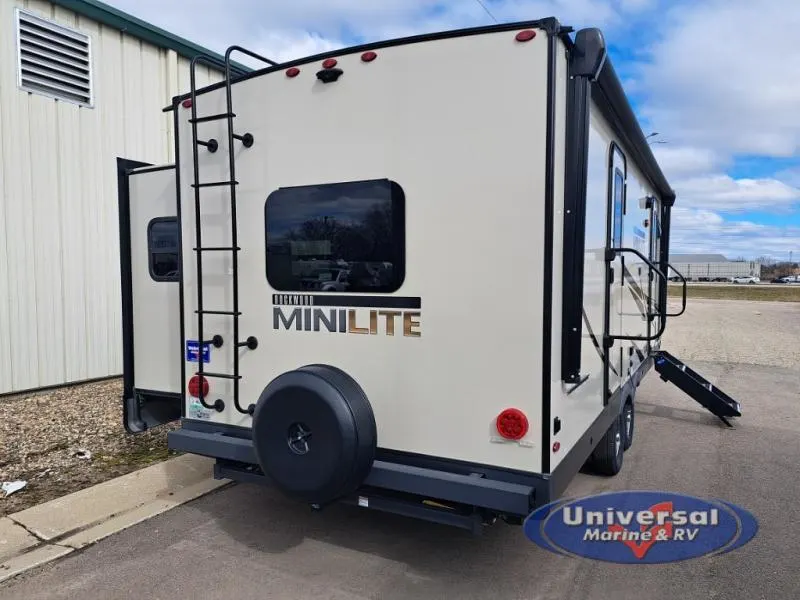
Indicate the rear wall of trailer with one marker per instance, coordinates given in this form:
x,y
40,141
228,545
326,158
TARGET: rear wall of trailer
x,y
59,233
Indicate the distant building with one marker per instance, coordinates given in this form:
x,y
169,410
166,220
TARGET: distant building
x,y
712,267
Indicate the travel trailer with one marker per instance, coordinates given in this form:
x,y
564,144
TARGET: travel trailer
x,y
423,276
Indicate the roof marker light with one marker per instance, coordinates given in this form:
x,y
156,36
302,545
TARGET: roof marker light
x,y
329,63
369,56
292,72
187,103
526,35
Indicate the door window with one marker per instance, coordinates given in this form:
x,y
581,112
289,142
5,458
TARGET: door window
x,y
619,208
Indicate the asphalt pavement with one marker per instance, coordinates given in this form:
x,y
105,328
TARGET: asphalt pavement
x,y
247,541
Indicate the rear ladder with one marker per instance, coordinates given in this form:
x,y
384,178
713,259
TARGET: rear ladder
x,y
212,145
698,387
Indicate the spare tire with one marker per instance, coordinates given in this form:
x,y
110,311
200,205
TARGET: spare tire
x,y
314,433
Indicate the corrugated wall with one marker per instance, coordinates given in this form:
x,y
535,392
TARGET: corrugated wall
x,y
59,234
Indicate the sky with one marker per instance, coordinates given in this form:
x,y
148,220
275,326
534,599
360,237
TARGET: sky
x,y
717,80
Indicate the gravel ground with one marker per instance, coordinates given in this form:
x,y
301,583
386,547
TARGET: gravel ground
x,y
43,437
735,331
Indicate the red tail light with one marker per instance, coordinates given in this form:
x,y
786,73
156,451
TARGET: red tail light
x,y
195,384
512,424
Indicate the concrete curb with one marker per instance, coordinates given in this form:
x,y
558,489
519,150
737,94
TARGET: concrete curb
x,y
49,531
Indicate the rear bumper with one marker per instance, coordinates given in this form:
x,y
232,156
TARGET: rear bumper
x,y
513,498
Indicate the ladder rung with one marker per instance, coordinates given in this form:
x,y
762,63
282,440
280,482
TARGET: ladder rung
x,y
217,249
215,184
228,313
217,117
220,375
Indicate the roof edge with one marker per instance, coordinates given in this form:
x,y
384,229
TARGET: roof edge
x,y
111,17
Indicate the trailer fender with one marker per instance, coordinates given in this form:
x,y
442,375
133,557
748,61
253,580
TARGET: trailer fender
x,y
314,433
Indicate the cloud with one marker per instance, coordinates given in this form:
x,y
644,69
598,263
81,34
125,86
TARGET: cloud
x,y
682,161
725,74
724,193
704,231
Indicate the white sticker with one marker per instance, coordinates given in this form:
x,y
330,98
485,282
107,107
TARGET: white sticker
x,y
363,501
197,410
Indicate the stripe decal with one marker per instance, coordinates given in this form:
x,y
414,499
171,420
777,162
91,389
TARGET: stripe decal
x,y
596,343
410,303
636,292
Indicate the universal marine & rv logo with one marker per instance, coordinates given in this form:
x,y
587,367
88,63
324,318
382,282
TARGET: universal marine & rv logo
x,y
644,527
381,315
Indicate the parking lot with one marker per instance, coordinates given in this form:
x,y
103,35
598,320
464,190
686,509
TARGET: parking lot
x,y
248,542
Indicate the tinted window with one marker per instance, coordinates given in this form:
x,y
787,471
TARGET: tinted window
x,y
162,249
342,237
619,190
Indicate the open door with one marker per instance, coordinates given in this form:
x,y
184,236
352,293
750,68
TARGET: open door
x,y
150,273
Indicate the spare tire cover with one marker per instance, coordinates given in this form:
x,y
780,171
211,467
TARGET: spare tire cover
x,y
314,433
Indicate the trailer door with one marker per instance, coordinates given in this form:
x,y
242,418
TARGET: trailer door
x,y
150,270
617,182
655,282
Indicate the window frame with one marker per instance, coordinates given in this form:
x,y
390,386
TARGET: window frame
x,y
68,31
398,204
151,252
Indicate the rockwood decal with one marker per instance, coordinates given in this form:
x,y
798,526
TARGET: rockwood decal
x,y
640,527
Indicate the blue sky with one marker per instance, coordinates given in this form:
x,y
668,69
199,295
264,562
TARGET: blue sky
x,y
718,79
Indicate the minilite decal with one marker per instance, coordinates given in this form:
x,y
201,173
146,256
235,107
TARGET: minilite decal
x,y
640,527
361,315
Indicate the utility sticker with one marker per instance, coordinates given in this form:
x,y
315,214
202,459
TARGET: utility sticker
x,y
640,527
198,411
193,350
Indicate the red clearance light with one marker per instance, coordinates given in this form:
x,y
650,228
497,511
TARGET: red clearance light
x,y
556,446
512,424
526,35
369,56
329,63
195,384
187,103
292,72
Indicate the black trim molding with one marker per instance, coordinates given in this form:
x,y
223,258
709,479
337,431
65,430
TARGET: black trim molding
x,y
586,58
124,167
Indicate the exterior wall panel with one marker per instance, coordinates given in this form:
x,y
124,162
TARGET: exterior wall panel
x,y
59,243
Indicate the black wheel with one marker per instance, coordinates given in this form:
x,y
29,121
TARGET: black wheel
x,y
607,456
314,434
628,421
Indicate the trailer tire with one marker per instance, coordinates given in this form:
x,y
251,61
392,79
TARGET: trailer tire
x,y
608,455
314,434
628,421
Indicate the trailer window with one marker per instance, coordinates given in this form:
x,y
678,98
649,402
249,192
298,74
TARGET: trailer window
x,y
340,237
619,199
162,249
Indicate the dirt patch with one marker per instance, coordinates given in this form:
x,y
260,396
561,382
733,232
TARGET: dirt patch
x,y
45,436
731,291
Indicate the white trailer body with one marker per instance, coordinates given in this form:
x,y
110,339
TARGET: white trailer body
x,y
438,224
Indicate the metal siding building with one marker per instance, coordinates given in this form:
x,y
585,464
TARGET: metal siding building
x,y
713,267
60,318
